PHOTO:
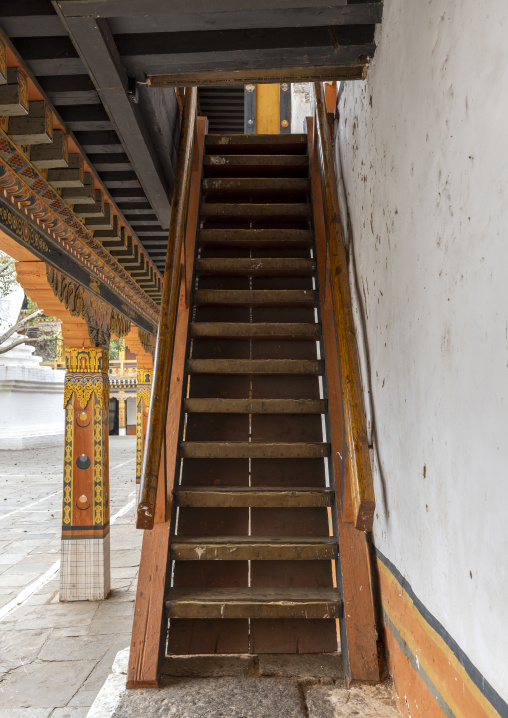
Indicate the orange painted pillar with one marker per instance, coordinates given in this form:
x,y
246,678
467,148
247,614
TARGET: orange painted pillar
x,y
85,556
122,417
142,406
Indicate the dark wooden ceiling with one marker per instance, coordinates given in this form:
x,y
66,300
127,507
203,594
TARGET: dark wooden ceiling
x,y
108,66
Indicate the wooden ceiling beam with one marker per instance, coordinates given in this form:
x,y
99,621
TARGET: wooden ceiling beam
x,y
99,55
180,15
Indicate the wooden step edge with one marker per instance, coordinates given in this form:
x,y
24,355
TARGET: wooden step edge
x,y
259,330
264,267
253,548
257,297
244,497
253,450
254,603
264,184
253,209
304,367
256,406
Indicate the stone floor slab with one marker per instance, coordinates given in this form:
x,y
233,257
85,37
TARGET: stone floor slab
x,y
25,713
76,648
357,702
214,698
43,684
308,666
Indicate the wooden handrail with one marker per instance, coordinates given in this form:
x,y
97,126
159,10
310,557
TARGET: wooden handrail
x,y
362,488
169,307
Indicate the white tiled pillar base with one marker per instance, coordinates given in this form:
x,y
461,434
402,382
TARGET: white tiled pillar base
x,y
85,573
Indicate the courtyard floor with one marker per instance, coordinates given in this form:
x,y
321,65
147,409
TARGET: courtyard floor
x,y
55,657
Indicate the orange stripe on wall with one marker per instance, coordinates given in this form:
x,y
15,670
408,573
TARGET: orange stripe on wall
x,y
433,655
413,696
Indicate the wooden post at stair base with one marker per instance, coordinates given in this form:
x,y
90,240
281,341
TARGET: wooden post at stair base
x,y
142,406
85,557
358,629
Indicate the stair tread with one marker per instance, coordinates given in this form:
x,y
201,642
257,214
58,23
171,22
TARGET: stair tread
x,y
255,159
253,603
248,297
231,166
254,540
255,406
254,449
259,266
253,548
313,367
255,209
254,143
262,185
261,330
255,489
282,239
252,496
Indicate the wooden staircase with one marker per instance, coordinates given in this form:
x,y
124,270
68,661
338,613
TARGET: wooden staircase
x,y
249,434
253,541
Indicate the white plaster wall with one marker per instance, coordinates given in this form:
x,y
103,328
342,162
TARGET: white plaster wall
x,y
302,105
424,144
31,406
131,411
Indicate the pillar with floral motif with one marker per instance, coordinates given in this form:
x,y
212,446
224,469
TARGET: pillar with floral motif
x,y
142,405
85,562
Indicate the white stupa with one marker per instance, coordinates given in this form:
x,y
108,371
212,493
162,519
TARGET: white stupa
x,y
31,396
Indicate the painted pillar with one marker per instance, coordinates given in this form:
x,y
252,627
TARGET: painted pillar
x,y
85,562
122,417
142,405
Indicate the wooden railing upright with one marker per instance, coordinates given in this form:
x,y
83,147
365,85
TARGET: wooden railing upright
x,y
169,307
360,472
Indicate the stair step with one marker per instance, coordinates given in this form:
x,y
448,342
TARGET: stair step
x,y
239,186
257,330
253,548
251,297
256,406
251,210
253,450
311,367
261,165
253,603
264,267
256,238
251,144
252,496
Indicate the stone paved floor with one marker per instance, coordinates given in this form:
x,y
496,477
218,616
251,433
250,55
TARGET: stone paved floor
x,y
55,657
